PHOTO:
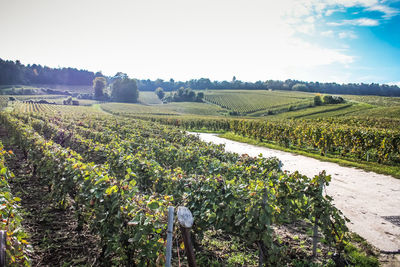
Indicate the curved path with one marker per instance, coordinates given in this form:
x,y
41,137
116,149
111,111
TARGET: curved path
x,y
363,197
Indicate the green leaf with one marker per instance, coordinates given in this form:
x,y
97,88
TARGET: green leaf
x,y
154,205
132,183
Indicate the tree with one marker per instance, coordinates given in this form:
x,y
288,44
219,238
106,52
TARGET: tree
x,y
317,100
160,93
328,99
68,101
299,87
124,89
99,83
199,97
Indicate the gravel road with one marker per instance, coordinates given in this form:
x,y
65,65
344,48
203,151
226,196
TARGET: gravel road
x,y
364,197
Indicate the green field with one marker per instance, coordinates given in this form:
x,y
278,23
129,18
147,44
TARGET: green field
x,y
245,103
115,158
346,109
265,104
250,101
174,108
149,98
374,100
120,175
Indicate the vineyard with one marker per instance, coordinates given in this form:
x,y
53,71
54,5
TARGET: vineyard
x,y
3,101
244,102
11,215
326,111
174,108
119,175
29,107
367,139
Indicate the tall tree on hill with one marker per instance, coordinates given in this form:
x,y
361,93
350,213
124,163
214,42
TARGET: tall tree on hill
x,y
124,89
160,93
99,83
299,87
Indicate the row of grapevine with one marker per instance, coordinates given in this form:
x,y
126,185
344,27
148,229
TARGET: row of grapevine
x,y
366,122
381,146
3,102
114,209
337,136
238,195
18,248
250,101
32,107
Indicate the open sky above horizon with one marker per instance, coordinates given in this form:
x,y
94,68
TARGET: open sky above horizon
x,y
312,40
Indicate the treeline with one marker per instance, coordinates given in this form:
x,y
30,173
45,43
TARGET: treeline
x,y
295,85
184,95
12,73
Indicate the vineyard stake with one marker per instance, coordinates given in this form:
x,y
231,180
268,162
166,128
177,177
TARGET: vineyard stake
x,y
315,230
169,236
315,238
260,254
3,245
185,219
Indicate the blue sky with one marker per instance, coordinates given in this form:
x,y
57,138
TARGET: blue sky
x,y
312,40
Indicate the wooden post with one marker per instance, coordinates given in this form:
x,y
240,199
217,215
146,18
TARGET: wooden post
x,y
260,254
185,219
260,244
315,238
280,165
315,230
169,236
3,245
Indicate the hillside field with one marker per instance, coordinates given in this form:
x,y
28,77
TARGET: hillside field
x,y
132,161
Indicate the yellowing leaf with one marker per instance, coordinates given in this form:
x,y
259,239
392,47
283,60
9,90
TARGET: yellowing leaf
x,y
111,190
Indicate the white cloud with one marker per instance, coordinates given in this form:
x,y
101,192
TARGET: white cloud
x,y
313,55
305,28
330,11
327,33
347,35
172,38
356,22
351,3
394,83
318,8
341,35
386,10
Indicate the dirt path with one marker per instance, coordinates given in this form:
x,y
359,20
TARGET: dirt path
x,y
52,230
363,197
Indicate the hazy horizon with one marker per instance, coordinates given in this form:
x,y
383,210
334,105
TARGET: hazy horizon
x,y
328,41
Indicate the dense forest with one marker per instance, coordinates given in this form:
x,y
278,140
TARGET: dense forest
x,y
13,73
329,88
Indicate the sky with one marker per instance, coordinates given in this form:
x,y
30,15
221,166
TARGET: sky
x,y
311,40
